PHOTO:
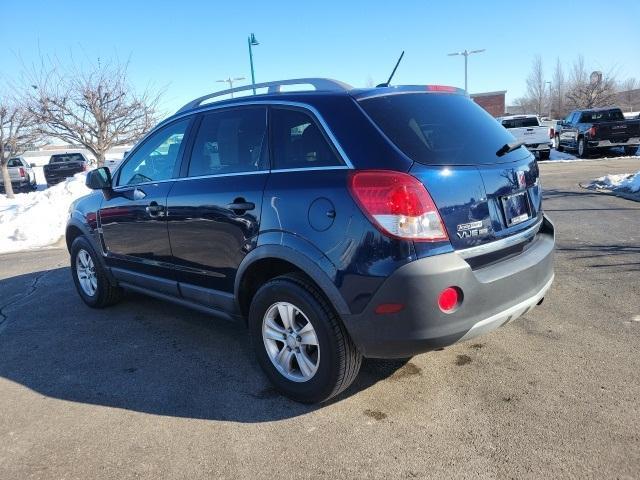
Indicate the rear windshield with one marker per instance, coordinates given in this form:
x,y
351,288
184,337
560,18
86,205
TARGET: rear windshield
x,y
440,129
520,122
68,157
601,116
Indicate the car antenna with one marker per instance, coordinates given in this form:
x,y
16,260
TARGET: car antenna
x,y
392,73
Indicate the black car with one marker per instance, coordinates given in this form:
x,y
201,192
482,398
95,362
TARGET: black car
x,y
336,223
587,131
64,165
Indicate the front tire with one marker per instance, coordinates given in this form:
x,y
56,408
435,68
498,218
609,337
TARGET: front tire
x,y
300,342
557,145
90,277
630,151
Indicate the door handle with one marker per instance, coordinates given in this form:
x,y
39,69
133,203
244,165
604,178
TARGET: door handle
x,y
154,209
240,206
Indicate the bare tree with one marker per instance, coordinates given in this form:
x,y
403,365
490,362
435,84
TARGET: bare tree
x,y
630,93
587,92
536,89
95,106
559,91
18,133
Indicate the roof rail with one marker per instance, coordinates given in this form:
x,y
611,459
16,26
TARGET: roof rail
x,y
274,87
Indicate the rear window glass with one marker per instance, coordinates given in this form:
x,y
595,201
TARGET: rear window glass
x,y
14,162
440,129
601,116
520,122
69,157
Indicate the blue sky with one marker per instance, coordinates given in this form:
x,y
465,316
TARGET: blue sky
x,y
187,45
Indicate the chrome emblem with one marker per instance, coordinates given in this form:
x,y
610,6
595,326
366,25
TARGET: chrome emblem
x,y
472,229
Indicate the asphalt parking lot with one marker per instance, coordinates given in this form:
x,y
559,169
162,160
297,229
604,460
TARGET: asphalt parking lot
x,y
151,390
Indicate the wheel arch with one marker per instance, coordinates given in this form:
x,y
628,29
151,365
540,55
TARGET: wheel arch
x,y
269,261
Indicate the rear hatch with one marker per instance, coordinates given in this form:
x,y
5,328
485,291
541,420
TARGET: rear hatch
x,y
481,196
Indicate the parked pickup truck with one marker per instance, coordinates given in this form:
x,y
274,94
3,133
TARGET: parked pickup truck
x,y
588,130
64,165
527,129
21,173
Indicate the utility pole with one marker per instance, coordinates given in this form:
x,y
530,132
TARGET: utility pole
x,y
230,81
549,117
466,54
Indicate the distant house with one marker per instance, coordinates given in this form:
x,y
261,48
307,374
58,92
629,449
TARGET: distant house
x,y
492,102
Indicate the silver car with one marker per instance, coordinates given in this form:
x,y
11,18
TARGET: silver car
x,y
22,175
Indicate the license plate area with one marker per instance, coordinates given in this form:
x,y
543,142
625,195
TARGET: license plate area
x,y
516,208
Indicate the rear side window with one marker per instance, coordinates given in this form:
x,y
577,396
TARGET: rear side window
x,y
602,116
14,162
520,122
230,141
298,142
70,157
440,129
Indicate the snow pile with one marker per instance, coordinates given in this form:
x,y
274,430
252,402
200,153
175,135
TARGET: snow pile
x,y
629,182
38,219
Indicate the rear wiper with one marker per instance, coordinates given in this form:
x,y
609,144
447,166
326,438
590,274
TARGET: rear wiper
x,y
508,148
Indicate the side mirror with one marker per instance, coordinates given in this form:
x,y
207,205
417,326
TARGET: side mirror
x,y
99,179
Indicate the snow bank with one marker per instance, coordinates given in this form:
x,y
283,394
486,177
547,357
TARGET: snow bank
x,y
38,219
629,182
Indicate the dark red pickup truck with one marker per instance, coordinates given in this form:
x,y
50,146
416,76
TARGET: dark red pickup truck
x,y
598,128
64,165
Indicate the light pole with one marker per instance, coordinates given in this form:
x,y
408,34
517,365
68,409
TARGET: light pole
x,y
251,40
230,81
547,82
466,54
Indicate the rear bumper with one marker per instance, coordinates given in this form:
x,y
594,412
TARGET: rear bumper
x,y
492,296
631,142
539,147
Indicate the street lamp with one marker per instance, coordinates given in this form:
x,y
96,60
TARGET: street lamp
x,y
466,54
251,40
230,81
547,82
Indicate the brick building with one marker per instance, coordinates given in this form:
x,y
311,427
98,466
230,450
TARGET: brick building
x,y
492,102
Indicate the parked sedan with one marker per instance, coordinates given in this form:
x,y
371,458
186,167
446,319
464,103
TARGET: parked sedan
x,y
22,176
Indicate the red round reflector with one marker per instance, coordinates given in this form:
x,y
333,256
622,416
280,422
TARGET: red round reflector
x,y
449,299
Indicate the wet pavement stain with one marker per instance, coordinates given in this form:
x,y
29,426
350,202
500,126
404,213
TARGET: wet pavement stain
x,y
375,414
406,371
462,360
476,346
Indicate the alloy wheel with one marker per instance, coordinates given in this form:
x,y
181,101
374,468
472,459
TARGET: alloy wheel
x,y
86,271
291,342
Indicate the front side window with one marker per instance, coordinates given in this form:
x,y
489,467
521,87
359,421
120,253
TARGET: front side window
x,y
298,142
230,141
156,159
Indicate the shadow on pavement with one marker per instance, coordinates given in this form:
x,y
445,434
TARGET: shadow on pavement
x,y
142,355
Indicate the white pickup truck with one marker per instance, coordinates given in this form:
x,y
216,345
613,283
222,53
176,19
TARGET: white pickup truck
x,y
527,129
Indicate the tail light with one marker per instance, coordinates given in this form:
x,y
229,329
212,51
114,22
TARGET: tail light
x,y
592,132
398,205
22,174
552,133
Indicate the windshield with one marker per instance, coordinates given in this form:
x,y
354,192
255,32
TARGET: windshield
x,y
520,122
68,157
439,129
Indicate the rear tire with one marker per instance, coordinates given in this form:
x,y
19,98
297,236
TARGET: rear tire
x,y
582,148
544,155
334,359
90,277
630,150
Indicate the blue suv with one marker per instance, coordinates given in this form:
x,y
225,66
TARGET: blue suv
x,y
335,223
